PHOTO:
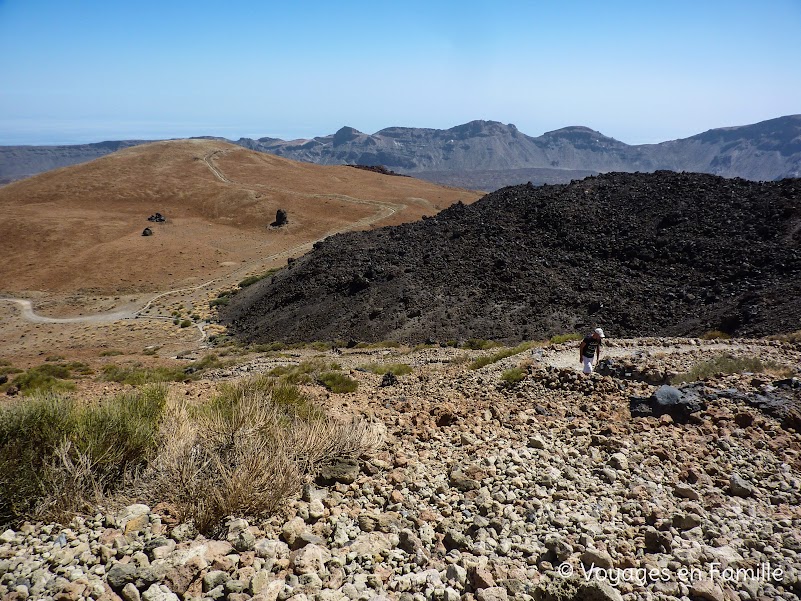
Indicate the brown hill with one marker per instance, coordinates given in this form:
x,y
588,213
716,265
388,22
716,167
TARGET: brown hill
x,y
80,228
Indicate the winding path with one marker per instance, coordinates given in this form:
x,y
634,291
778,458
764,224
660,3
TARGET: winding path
x,y
26,309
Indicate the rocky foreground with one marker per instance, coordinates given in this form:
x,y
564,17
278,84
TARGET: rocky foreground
x,y
659,254
546,489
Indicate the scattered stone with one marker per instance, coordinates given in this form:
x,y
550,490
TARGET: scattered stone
x,y
494,593
686,492
739,487
343,470
594,557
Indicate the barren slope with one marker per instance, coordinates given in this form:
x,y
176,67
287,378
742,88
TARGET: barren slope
x,y
80,228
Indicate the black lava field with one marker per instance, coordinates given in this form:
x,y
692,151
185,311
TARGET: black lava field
x,y
659,254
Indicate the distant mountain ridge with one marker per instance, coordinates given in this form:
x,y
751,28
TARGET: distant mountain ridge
x,y
768,150
17,162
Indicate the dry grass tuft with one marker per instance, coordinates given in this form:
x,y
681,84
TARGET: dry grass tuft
x,y
246,451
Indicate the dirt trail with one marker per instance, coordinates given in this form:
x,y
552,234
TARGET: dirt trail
x,y
568,358
26,309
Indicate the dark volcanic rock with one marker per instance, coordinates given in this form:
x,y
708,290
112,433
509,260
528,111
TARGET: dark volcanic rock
x,y
147,232
280,218
662,254
678,403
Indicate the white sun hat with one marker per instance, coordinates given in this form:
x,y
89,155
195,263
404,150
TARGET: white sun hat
x,y
600,332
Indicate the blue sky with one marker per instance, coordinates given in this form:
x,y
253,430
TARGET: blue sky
x,y
84,70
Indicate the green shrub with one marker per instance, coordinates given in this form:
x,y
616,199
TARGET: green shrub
x,y
726,364
560,338
50,377
8,370
494,358
477,344
267,347
337,382
252,279
221,301
210,361
249,281
57,453
137,375
305,372
397,369
513,376
186,323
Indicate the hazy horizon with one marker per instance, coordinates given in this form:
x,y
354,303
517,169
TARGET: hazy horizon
x,y
94,71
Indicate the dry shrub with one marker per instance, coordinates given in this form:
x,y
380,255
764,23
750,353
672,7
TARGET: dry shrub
x,y
245,451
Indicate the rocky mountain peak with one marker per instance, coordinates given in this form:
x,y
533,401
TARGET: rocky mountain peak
x,y
346,134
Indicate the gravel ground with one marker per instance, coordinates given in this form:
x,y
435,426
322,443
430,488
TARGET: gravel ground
x,y
546,489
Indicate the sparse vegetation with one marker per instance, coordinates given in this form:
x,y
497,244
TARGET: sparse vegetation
x,y
267,348
792,337
57,454
220,301
137,375
477,344
561,338
337,382
7,369
111,353
186,323
715,335
512,376
489,359
252,279
305,372
729,364
396,369
53,377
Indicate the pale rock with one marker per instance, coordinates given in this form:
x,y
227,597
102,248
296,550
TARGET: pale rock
x,y
619,461
130,592
310,560
271,549
8,536
158,592
686,491
495,593
292,530
597,558
706,589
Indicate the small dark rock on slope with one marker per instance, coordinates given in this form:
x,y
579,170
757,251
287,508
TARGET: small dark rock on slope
x,y
657,254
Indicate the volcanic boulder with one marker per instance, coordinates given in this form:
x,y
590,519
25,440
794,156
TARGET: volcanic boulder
x,y
280,218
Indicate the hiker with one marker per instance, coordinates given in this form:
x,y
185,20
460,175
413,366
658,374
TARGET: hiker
x,y
591,349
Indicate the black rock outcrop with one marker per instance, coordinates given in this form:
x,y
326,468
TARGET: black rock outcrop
x,y
280,218
659,254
